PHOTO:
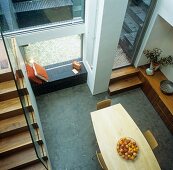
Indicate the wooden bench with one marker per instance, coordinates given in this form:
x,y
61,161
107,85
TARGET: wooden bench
x,y
60,78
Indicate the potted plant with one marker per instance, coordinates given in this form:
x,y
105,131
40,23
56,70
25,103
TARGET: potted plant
x,y
155,59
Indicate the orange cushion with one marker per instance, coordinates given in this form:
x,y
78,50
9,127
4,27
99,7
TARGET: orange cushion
x,y
31,75
40,72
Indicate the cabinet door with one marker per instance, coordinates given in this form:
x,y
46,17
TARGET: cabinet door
x,y
149,92
163,115
165,110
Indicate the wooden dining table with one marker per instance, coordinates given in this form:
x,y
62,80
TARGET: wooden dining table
x,y
113,123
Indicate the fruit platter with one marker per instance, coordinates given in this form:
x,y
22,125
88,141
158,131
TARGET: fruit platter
x,y
127,148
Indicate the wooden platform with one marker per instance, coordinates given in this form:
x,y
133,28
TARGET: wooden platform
x,y
124,79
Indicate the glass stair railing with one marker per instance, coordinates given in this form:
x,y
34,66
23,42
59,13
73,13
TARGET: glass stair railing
x,y
35,148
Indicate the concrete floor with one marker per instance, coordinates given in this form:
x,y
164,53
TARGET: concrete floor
x,y
66,121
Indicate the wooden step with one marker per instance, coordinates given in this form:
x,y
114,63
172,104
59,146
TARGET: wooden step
x,y
17,142
8,90
124,85
6,76
10,108
36,166
122,73
19,159
13,125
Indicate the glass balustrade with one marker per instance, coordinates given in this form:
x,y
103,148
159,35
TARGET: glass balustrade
x,y
16,64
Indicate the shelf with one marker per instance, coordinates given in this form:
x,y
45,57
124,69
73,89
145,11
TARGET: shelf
x,y
155,84
161,102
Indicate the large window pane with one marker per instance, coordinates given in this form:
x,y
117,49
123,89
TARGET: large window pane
x,y
136,20
59,50
21,14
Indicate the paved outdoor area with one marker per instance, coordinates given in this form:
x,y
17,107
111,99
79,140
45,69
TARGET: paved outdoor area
x,y
120,59
54,51
63,49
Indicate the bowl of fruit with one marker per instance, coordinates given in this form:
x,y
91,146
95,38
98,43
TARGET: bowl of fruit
x,y
127,148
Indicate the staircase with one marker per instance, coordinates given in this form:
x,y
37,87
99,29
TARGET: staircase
x,y
124,79
17,149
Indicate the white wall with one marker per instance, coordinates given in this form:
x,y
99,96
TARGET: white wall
x,y
100,42
159,34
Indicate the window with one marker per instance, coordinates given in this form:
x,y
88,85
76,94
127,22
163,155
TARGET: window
x,y
56,51
22,14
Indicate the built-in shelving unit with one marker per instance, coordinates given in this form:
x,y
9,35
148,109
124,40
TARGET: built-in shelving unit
x,y
162,103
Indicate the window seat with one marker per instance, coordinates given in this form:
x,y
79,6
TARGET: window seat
x,y
60,77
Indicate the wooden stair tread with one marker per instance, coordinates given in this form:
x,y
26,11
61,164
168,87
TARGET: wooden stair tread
x,y
10,105
124,83
7,86
7,75
15,141
36,166
19,159
130,70
13,123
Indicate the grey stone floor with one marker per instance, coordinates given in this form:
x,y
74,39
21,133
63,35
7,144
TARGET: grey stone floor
x,y
66,121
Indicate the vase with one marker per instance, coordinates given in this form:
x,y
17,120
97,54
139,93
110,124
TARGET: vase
x,y
149,71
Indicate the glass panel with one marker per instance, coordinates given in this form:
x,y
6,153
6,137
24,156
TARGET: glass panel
x,y
135,22
56,51
3,21
22,14
23,97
